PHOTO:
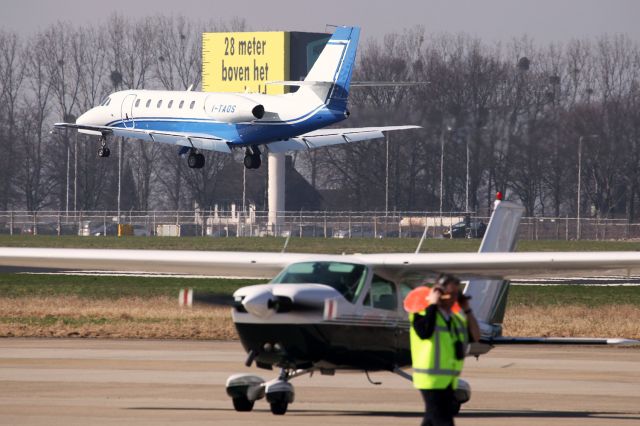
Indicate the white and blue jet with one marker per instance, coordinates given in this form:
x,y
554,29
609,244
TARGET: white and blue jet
x,y
198,121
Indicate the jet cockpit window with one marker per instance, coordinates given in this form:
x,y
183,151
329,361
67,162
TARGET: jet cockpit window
x,y
347,278
106,101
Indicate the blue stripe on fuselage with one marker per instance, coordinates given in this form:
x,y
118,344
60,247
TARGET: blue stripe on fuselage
x,y
237,133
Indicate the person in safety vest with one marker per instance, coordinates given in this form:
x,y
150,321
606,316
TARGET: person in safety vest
x,y
439,340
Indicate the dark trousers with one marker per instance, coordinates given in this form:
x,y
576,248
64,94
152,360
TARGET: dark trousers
x,y
439,406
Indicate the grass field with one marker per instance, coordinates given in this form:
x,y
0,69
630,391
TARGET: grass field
x,y
304,245
96,306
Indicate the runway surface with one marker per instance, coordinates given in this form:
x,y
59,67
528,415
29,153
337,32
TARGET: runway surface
x,y
81,382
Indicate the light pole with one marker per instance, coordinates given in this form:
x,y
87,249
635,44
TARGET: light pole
x,y
386,178
442,137
466,202
119,174
580,139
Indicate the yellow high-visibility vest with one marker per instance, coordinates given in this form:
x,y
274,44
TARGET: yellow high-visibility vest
x,y
434,361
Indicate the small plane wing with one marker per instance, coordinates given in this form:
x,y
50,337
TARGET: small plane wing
x,y
264,264
195,140
327,137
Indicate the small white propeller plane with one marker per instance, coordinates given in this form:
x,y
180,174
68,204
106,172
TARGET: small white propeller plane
x,y
198,121
323,313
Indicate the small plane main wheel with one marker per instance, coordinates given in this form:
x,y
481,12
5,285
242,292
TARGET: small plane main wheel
x,y
106,152
199,161
279,408
242,403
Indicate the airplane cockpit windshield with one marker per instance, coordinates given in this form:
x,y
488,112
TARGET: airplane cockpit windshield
x,y
347,278
106,101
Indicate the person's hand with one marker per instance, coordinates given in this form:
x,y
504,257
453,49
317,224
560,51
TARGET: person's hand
x,y
463,301
434,296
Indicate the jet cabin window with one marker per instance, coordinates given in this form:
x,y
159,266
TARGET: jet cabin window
x,y
159,103
193,103
382,294
148,103
137,103
180,104
170,103
347,278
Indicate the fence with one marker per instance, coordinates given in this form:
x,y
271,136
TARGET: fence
x,y
326,224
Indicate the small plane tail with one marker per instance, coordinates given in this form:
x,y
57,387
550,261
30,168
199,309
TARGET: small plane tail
x,y
330,76
489,297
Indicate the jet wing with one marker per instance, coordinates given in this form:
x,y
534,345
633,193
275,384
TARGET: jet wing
x,y
327,137
195,140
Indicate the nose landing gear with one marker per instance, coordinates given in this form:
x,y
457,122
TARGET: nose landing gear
x,y
104,150
195,160
246,389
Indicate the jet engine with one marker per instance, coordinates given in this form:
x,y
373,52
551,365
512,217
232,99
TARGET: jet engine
x,y
232,108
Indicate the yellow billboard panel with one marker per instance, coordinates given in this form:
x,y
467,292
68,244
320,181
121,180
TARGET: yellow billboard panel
x,y
245,61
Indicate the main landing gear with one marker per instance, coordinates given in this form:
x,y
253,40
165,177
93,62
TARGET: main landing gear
x,y
195,160
246,389
104,150
252,158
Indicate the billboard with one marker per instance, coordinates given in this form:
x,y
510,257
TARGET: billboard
x,y
245,61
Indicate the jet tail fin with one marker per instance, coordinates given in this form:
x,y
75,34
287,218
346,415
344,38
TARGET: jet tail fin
x,y
489,297
335,67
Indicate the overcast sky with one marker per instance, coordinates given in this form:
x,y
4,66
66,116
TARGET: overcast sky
x,y
492,20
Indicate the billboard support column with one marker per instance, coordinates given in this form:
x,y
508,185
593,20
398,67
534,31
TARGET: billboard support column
x,y
276,191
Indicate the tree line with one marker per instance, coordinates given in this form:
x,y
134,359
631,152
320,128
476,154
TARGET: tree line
x,y
514,117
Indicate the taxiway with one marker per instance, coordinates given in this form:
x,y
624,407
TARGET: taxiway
x,y
80,382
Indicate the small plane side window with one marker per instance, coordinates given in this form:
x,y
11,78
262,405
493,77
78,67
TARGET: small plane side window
x,y
137,103
148,103
159,104
170,103
382,294
180,104
193,103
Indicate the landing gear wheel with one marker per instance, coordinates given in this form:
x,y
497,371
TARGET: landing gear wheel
x,y
195,160
279,408
104,152
199,161
242,403
252,161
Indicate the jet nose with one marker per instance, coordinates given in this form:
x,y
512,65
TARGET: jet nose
x,y
82,120
90,118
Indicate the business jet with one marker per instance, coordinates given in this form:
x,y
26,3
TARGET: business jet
x,y
223,122
329,313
